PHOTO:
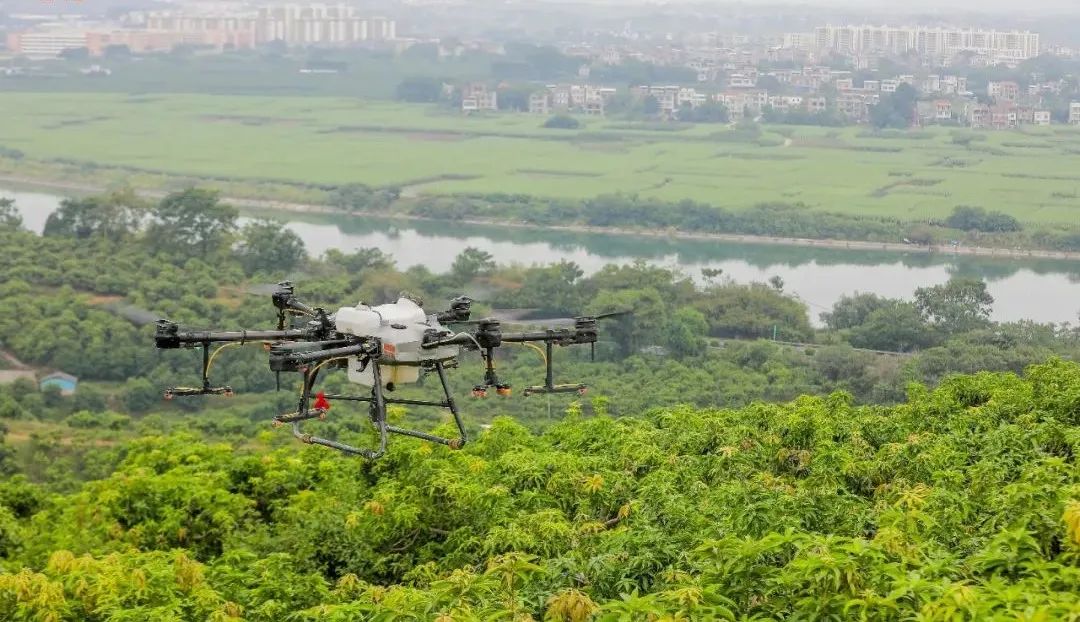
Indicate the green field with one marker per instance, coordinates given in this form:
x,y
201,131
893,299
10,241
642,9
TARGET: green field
x,y
1034,175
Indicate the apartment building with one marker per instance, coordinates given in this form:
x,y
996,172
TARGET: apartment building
x,y
46,43
1074,113
295,24
856,105
1003,91
540,103
930,41
477,97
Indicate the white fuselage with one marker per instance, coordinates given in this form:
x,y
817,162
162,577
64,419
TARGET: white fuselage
x,y
401,327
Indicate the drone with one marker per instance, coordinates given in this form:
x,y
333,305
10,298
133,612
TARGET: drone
x,y
381,348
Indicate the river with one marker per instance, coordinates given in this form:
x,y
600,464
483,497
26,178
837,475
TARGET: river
x,y
1024,289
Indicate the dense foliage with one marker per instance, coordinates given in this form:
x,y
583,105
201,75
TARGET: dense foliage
x,y
963,503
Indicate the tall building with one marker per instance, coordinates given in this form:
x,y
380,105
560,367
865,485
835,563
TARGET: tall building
x,y
298,24
997,44
46,43
295,24
51,42
1074,113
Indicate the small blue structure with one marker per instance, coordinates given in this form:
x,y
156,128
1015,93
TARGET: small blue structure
x,y
65,382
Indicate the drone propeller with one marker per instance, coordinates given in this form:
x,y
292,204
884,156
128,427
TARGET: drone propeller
x,y
136,315
577,321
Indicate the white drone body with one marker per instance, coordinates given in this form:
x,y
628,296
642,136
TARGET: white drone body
x,y
401,327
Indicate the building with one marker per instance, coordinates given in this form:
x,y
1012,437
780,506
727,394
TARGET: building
x,y
45,43
1003,91
540,103
935,111
295,24
1004,118
586,98
1074,113
978,116
856,105
476,97
1041,117
741,81
66,383
798,40
1012,45
816,104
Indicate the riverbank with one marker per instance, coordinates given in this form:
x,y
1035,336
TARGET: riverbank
x,y
854,245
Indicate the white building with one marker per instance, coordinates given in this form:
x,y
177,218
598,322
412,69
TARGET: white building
x,y
295,24
46,43
1074,113
477,97
996,44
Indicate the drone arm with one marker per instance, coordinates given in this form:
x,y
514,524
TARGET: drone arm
x,y
168,337
460,339
548,336
367,347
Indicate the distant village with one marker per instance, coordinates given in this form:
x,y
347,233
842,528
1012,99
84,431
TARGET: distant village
x,y
943,99
729,72
833,74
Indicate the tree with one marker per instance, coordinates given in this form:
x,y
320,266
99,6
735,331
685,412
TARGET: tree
x,y
419,90
853,310
76,54
896,327
962,304
514,98
552,288
970,218
711,112
685,331
471,263
423,52
650,106
631,332
111,216
9,214
360,261
562,122
753,310
191,223
267,245
895,110
117,52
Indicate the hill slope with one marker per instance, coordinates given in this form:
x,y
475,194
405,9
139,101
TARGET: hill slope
x,y
963,503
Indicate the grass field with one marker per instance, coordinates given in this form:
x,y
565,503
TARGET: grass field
x,y
1034,175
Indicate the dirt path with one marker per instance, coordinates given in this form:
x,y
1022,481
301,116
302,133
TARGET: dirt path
x,y
857,245
10,358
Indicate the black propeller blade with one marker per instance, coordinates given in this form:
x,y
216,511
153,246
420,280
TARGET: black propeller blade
x,y
581,320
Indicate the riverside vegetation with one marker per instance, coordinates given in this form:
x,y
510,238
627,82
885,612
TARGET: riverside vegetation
x,y
425,160
871,497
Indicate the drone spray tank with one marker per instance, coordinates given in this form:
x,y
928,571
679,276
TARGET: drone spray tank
x,y
400,327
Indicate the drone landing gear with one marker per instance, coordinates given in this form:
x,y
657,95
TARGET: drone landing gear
x,y
549,387
206,389
377,412
490,378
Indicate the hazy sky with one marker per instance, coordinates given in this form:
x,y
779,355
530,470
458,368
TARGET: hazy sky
x,y
1022,8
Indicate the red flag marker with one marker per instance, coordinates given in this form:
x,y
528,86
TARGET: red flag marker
x,y
320,401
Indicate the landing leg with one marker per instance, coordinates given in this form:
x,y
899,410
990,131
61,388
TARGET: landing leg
x,y
378,415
